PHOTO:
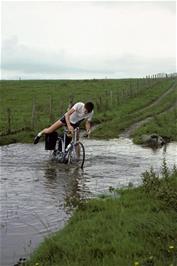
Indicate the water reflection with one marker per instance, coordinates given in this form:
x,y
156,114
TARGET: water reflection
x,y
69,179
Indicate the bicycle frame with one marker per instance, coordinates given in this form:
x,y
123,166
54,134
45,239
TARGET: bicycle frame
x,y
68,154
73,141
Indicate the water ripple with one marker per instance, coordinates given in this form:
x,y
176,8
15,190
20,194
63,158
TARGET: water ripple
x,y
34,189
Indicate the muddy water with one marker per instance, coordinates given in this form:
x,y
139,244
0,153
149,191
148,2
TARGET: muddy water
x,y
34,189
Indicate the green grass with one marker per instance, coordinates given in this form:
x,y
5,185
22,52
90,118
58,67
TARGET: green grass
x,y
130,112
138,226
164,125
118,103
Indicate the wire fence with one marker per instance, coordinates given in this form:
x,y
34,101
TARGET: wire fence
x,y
108,99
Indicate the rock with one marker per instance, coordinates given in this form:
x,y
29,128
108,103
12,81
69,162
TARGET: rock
x,y
21,261
166,139
153,140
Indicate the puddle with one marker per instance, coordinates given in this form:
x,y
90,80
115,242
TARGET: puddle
x,y
34,189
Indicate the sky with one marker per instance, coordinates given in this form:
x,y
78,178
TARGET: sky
x,y
87,39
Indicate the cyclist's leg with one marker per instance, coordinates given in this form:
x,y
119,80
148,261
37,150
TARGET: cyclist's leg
x,y
49,130
72,156
59,123
76,147
52,128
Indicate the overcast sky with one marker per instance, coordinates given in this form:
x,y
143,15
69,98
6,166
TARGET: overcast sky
x,y
50,39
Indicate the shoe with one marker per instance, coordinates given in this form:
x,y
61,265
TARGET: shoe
x,y
36,139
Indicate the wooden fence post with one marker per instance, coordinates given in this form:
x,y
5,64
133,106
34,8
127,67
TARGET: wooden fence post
x,y
117,97
71,102
8,121
50,109
111,98
33,114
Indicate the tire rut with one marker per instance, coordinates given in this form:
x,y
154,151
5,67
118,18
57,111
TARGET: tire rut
x,y
129,131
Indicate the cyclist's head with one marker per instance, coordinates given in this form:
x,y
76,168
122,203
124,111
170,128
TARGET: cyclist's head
x,y
89,106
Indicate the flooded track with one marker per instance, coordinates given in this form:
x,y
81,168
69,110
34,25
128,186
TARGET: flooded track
x,y
34,189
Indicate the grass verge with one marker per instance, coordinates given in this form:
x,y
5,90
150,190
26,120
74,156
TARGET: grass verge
x,y
138,227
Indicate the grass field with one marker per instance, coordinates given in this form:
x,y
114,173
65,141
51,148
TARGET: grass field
x,y
28,106
131,111
135,227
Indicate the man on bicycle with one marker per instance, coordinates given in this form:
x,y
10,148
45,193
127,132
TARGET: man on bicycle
x,y
72,119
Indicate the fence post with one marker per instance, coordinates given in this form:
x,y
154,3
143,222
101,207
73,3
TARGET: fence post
x,y
8,121
50,109
71,102
107,99
33,114
111,98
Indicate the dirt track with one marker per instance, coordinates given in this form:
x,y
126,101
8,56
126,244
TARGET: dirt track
x,y
129,131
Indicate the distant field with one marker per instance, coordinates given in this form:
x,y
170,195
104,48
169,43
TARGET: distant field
x,y
28,106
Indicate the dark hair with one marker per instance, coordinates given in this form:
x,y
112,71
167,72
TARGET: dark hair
x,y
89,106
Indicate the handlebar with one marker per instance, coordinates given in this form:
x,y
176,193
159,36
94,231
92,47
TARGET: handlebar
x,y
67,131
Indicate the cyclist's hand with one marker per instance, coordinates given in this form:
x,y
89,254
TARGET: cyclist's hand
x,y
87,134
71,129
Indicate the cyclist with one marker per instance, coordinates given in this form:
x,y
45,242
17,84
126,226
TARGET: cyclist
x,y
72,119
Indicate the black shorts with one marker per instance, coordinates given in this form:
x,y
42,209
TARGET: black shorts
x,y
63,120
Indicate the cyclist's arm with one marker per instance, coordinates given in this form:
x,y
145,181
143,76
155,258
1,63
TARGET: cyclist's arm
x,y
67,115
88,123
88,126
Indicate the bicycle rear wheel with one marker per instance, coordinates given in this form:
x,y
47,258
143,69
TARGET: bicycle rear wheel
x,y
76,155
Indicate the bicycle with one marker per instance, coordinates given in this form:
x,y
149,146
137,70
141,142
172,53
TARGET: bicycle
x,y
73,153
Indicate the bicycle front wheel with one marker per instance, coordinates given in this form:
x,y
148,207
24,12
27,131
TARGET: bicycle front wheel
x,y
77,155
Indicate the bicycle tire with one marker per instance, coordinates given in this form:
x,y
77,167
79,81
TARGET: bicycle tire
x,y
73,158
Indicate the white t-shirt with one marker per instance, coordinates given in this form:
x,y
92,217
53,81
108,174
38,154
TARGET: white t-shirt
x,y
79,113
